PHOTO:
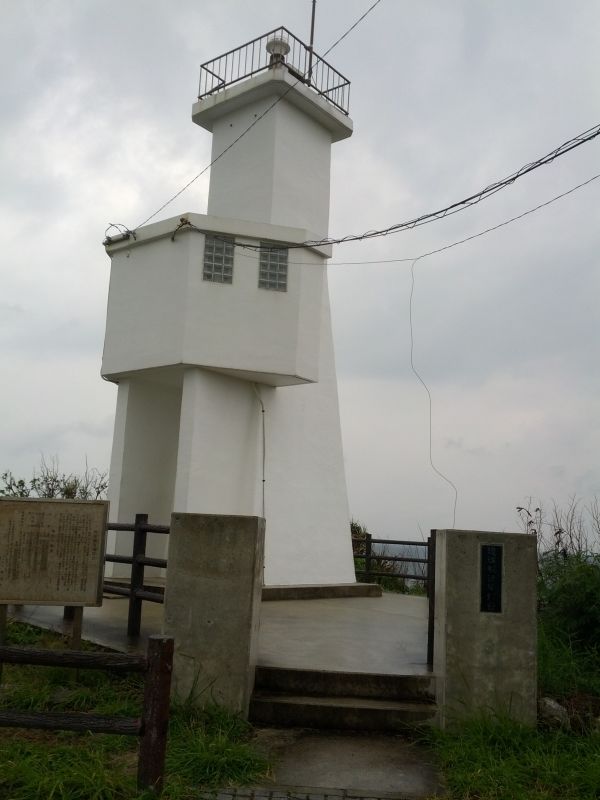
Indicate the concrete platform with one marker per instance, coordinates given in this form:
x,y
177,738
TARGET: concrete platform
x,y
386,634
383,635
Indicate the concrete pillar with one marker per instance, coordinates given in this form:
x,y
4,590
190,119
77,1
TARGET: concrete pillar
x,y
212,606
485,650
142,467
218,455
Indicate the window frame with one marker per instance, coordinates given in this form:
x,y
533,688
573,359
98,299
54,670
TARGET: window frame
x,y
220,249
273,267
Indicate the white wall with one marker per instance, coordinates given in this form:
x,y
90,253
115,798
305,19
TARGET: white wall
x,y
218,446
278,172
142,470
144,324
308,522
161,312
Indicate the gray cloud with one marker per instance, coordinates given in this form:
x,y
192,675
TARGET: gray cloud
x,y
445,98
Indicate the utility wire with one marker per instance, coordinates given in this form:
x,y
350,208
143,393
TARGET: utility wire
x,y
467,238
437,249
410,317
254,122
454,208
351,28
424,385
414,261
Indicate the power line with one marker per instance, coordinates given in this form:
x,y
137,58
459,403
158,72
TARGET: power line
x,y
437,249
467,238
351,28
454,208
253,123
410,318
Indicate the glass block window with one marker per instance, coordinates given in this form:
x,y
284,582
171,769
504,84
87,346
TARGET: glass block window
x,y
273,268
218,259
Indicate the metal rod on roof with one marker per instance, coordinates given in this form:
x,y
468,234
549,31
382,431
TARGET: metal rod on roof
x,y
312,40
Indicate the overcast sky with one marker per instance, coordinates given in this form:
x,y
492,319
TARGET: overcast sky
x,y
446,97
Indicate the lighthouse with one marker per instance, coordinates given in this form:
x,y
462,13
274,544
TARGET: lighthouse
x,y
218,328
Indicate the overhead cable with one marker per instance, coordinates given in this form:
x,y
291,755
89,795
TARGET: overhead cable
x,y
437,249
454,208
467,238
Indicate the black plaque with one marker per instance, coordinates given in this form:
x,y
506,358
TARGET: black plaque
x,y
491,578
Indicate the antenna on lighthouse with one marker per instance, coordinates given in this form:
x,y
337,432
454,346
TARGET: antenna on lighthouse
x,y
312,40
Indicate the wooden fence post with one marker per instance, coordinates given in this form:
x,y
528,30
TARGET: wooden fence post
x,y
153,744
134,619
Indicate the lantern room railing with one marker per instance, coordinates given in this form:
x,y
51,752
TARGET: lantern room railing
x,y
279,46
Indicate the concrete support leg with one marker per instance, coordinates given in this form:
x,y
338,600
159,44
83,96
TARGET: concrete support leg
x,y
485,650
212,606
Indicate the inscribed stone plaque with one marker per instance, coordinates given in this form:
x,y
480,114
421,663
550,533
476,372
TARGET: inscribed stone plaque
x,y
491,578
52,551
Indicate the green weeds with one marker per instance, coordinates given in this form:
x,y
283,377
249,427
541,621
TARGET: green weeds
x,y
495,759
206,749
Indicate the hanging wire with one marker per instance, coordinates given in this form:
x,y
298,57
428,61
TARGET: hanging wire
x,y
422,382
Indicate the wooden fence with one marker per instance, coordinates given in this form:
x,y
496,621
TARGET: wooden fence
x,y
152,727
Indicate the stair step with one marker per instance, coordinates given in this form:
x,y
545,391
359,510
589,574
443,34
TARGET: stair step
x,y
342,713
325,591
416,688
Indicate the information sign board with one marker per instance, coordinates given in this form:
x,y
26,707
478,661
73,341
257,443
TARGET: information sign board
x,y
52,551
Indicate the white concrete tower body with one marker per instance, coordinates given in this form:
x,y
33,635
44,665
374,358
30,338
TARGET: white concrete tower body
x,y
227,400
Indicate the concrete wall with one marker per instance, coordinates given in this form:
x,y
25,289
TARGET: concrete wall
x,y
218,456
306,497
212,607
142,468
485,662
144,323
162,313
278,173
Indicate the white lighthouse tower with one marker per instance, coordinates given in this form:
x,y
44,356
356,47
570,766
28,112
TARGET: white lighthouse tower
x,y
219,335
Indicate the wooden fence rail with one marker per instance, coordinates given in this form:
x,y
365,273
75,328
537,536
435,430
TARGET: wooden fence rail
x,y
136,591
151,727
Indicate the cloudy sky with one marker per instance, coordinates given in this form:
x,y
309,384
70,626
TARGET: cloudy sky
x,y
446,98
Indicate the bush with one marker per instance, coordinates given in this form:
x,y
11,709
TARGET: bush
x,y
569,596
49,482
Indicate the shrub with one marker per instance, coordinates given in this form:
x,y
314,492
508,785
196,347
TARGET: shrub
x,y
569,595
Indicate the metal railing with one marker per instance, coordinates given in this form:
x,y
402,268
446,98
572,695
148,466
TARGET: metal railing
x,y
363,550
301,61
374,557
136,591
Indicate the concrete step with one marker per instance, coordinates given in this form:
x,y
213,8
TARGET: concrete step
x,y
339,713
411,688
327,591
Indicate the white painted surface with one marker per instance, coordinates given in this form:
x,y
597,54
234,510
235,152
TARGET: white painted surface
x,y
162,313
218,445
278,172
143,460
191,356
308,524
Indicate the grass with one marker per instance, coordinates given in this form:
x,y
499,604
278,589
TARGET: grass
x,y
501,760
206,749
497,759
